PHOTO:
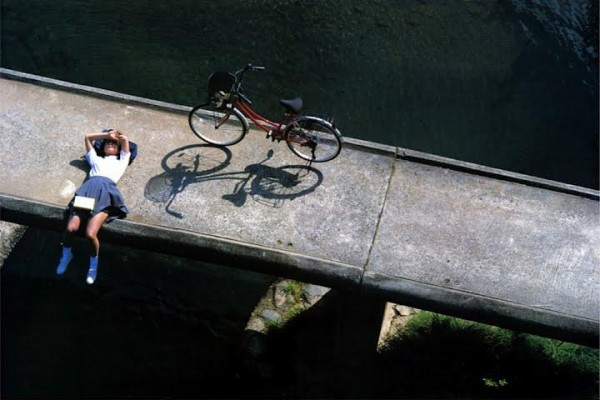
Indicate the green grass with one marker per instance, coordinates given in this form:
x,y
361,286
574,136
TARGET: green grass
x,y
293,288
433,356
437,355
289,315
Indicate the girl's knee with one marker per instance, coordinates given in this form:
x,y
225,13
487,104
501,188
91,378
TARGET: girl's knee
x,y
73,225
91,235
71,229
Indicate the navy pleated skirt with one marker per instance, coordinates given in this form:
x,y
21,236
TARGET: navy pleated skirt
x,y
108,197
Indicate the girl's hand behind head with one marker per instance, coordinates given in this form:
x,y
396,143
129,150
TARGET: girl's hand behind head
x,y
113,135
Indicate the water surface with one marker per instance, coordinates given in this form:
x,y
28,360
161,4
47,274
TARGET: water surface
x,y
508,84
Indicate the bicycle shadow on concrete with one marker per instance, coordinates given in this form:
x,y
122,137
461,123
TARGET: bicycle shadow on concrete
x,y
266,185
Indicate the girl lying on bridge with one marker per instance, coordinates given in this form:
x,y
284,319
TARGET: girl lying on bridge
x,y
97,200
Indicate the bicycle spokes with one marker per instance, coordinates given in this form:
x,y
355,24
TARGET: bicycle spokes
x,y
313,139
216,125
224,120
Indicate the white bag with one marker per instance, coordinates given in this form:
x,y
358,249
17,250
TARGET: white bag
x,y
84,203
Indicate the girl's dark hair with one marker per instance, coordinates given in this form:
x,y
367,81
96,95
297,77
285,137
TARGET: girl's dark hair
x,y
99,145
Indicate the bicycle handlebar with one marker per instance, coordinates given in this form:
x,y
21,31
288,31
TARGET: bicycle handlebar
x,y
254,67
240,77
249,67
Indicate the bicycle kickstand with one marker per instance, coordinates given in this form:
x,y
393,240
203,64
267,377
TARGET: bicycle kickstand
x,y
271,135
313,147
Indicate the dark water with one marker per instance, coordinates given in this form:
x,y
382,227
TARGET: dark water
x,y
509,84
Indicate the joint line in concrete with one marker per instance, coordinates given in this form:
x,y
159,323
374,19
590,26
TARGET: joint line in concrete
x,y
379,217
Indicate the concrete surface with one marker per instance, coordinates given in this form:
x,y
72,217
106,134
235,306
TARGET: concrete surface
x,y
10,234
407,227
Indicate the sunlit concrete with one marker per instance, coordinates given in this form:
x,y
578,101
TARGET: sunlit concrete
x,y
389,223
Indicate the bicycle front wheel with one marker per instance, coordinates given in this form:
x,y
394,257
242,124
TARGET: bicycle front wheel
x,y
222,127
313,139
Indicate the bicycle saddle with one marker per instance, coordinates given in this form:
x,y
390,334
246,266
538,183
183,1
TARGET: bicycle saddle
x,y
292,105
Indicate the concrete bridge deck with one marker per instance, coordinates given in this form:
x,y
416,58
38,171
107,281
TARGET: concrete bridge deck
x,y
407,227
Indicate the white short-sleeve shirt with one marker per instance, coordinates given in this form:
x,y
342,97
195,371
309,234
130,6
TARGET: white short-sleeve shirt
x,y
110,167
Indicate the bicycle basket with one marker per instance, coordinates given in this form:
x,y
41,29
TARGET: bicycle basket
x,y
220,81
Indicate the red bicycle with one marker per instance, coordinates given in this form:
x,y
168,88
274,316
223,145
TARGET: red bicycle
x,y
223,120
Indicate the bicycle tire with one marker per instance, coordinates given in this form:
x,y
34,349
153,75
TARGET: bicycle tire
x,y
207,123
308,132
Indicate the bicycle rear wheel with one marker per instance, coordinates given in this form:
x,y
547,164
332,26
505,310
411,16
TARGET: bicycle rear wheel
x,y
313,139
222,127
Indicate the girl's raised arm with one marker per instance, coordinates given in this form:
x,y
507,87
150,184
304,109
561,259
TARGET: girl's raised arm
x,y
90,137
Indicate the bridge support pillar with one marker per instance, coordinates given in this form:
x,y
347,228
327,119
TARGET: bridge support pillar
x,y
357,329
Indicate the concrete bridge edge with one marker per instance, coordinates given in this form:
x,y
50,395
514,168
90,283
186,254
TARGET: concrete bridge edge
x,y
181,243
348,278
471,306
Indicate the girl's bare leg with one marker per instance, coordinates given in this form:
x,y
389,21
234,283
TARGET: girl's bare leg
x,y
91,232
72,228
67,255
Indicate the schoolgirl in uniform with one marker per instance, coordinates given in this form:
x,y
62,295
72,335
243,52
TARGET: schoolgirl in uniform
x,y
107,166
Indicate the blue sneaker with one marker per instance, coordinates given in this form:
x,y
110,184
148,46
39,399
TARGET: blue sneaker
x,y
65,259
91,275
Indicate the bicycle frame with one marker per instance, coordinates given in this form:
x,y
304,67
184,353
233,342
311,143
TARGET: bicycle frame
x,y
260,121
274,129
242,103
302,133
